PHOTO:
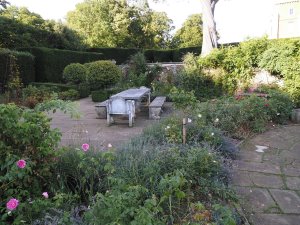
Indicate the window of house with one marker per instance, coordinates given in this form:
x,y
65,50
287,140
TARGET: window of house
x,y
291,11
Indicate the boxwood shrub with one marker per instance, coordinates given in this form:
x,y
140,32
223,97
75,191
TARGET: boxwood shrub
x,y
102,74
75,73
99,96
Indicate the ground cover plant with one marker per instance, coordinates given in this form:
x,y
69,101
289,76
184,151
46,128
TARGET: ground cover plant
x,y
154,178
148,178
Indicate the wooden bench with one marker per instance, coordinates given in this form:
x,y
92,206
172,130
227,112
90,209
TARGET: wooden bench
x,y
155,107
101,110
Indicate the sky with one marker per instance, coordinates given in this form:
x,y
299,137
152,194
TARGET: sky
x,y
236,19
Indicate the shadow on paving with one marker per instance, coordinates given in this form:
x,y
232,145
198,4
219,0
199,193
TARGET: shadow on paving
x,y
268,181
89,129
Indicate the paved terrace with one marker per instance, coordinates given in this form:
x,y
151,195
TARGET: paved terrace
x,y
267,177
89,129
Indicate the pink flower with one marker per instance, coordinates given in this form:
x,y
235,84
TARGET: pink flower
x,y
45,194
21,163
12,204
266,105
85,147
109,145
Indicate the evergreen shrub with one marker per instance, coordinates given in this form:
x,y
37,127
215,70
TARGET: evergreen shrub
x,y
102,74
120,55
50,63
25,63
75,73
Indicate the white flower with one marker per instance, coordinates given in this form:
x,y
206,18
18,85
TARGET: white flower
x,y
86,131
199,115
212,134
168,127
109,145
217,120
278,114
214,161
189,120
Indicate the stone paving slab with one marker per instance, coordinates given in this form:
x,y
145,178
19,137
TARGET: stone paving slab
x,y
241,178
291,170
258,167
251,156
256,199
293,183
288,201
276,219
268,182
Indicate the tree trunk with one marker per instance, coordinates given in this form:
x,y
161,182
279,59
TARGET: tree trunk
x,y
209,26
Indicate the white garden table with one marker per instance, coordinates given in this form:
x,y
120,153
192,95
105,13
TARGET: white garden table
x,y
126,103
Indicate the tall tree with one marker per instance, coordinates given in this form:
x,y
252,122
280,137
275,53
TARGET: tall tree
x,y
22,28
209,26
101,22
190,34
116,23
3,4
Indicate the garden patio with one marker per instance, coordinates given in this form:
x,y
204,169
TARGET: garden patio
x,y
89,129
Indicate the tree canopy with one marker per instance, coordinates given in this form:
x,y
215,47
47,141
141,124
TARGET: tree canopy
x,y
190,34
22,28
116,23
3,4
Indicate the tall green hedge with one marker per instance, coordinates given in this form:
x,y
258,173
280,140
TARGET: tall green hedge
x,y
50,63
121,55
25,62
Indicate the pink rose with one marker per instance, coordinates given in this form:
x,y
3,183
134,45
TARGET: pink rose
x,y
21,163
45,194
85,147
12,204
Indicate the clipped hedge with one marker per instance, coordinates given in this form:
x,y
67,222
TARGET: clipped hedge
x,y
50,63
180,52
121,55
25,62
159,55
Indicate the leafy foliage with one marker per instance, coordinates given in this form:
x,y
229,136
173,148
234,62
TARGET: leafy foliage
x,y
75,73
26,134
102,74
22,28
190,34
120,24
242,116
50,63
23,60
